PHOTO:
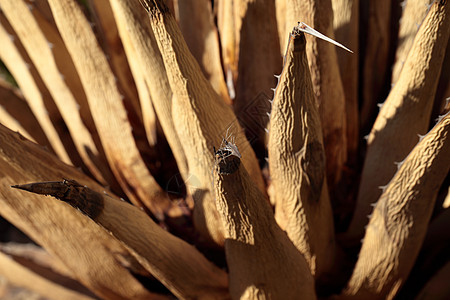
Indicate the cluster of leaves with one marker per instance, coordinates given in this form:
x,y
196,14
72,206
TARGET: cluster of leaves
x,y
130,98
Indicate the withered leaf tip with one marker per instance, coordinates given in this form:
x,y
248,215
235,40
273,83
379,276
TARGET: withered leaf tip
x,y
70,191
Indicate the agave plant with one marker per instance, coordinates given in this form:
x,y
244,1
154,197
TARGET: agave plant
x,y
180,164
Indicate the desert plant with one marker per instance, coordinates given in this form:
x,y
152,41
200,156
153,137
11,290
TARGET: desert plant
x,y
174,172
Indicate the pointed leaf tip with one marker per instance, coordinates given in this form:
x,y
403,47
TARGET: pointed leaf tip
x,y
307,29
25,187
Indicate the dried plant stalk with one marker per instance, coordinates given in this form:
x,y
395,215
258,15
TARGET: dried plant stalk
x,y
201,119
10,55
400,219
202,38
117,45
9,121
21,276
346,30
256,59
375,57
405,113
37,255
41,54
280,270
229,38
280,11
86,249
180,267
148,112
112,46
326,80
42,15
40,262
297,161
414,12
16,114
142,49
107,108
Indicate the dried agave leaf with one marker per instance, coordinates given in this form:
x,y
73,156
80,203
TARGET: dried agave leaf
x,y
405,114
43,16
111,44
297,161
202,38
35,255
143,52
376,42
123,27
171,260
21,276
85,248
251,54
16,114
346,30
18,67
414,12
201,119
326,80
40,52
251,232
108,109
400,218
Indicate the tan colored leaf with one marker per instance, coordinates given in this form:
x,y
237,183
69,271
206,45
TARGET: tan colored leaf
x,y
346,30
400,218
377,16
201,119
202,38
250,47
263,262
111,44
40,52
175,263
107,108
297,161
10,55
414,12
326,80
405,114
143,53
35,255
84,248
21,276
16,114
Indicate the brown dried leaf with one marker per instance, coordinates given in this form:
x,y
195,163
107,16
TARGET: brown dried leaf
x,y
202,38
108,110
85,248
21,276
178,265
143,53
201,119
18,67
400,219
346,30
40,52
297,161
263,262
405,114
326,80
